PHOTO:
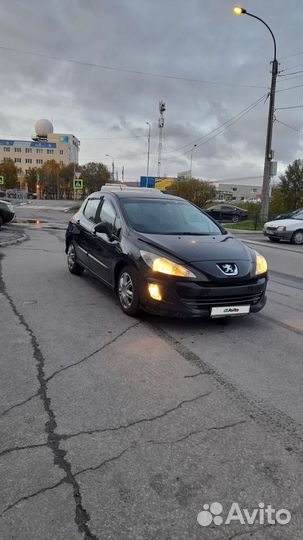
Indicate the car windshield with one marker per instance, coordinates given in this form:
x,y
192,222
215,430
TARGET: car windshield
x,y
298,215
155,216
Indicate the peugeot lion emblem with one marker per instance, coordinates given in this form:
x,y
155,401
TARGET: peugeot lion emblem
x,y
228,269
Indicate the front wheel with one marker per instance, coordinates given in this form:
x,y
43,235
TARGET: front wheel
x,y
297,237
73,266
128,291
235,219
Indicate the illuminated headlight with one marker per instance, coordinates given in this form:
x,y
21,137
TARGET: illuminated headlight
x,y
261,264
165,266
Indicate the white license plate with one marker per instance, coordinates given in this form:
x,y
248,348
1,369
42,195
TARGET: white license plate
x,y
227,311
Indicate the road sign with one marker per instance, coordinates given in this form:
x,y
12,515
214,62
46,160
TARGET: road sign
x,y
147,181
78,183
1,180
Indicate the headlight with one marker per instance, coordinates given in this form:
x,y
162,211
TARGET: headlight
x,y
281,229
165,266
261,264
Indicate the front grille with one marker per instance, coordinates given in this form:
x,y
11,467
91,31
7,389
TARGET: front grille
x,y
230,301
271,229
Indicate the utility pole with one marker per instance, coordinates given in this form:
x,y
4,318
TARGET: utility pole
x,y
191,159
162,109
148,152
268,150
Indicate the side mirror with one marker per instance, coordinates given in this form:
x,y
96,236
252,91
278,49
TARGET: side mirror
x,y
102,228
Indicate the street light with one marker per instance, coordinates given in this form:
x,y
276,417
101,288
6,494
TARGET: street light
x,y
268,150
148,152
113,166
191,158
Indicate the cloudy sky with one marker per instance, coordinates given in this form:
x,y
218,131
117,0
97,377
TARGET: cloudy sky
x,y
206,64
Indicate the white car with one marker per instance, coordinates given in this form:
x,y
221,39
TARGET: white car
x,y
290,229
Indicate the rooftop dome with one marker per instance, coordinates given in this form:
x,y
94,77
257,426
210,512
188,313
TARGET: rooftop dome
x,y
43,127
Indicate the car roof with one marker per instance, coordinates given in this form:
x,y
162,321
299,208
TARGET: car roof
x,y
141,193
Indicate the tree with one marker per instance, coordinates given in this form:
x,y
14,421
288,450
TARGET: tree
x,y
49,175
290,187
31,179
9,171
94,175
195,191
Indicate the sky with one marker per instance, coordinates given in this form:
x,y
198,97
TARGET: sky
x,y
98,69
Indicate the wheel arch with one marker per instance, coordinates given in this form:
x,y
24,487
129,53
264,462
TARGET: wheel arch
x,y
127,261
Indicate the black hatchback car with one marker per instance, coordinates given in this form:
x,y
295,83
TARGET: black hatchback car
x,y
7,212
163,254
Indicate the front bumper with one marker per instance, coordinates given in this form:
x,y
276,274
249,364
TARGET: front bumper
x,y
280,235
195,298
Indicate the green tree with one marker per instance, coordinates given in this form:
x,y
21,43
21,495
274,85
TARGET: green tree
x,y
290,187
66,176
9,171
195,191
94,175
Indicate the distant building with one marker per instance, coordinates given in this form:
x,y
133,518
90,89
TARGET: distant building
x,y
44,146
238,192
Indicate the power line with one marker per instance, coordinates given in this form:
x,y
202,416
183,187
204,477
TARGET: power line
x,y
289,88
288,74
126,70
221,127
289,126
291,55
292,107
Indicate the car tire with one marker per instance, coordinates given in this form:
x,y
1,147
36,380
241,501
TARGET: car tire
x,y
1,221
235,219
272,239
128,291
297,237
73,266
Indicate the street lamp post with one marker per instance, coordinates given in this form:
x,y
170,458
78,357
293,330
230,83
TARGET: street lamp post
x,y
148,152
113,166
191,158
270,120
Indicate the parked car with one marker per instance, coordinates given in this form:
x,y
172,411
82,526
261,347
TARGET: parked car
x,y
19,194
289,214
2,194
163,254
286,229
225,213
7,212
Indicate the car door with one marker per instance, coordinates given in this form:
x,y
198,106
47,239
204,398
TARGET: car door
x,y
227,213
104,250
85,224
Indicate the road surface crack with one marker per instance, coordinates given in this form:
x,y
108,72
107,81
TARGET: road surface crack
x,y
226,426
93,353
20,404
134,422
18,448
53,439
109,460
35,494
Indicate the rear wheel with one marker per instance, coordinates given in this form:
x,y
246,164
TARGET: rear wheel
x,y
73,266
235,219
128,291
297,237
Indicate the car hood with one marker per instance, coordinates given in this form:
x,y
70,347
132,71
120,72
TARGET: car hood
x,y
198,248
284,223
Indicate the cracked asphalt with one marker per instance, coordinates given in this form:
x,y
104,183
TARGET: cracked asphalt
x,y
120,428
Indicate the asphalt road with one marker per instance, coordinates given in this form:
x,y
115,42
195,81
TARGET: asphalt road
x,y
120,428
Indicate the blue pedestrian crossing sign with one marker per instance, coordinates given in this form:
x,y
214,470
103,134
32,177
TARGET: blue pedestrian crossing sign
x,y
1,180
78,183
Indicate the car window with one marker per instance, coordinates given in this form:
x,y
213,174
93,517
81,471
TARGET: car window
x,y
108,214
299,215
155,216
91,209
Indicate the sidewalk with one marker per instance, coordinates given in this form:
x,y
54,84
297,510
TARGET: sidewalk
x,y
9,236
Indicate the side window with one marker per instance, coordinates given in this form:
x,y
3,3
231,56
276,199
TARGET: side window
x,y
91,208
109,215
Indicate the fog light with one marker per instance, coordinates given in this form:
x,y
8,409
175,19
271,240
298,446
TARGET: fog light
x,y
154,291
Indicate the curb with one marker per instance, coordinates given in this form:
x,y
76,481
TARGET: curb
x,y
12,242
243,231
